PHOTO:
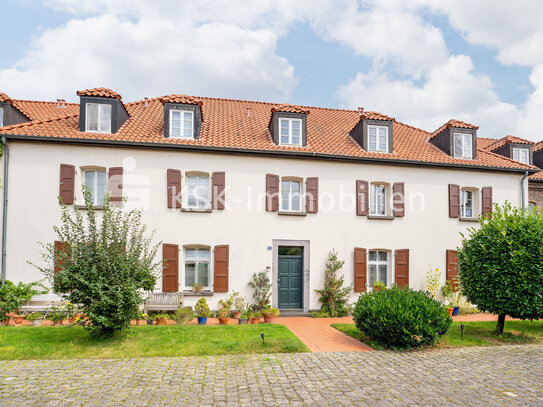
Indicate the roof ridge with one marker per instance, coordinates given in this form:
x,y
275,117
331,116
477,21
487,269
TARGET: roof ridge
x,y
43,101
33,122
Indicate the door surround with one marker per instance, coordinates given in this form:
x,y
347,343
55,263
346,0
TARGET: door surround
x,y
305,267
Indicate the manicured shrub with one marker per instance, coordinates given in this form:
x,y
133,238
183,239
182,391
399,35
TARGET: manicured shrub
x,y
334,297
401,318
501,264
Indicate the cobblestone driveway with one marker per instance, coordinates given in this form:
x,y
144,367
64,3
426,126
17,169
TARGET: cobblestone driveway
x,y
506,375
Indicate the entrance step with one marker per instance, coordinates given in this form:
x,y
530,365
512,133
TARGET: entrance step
x,y
293,313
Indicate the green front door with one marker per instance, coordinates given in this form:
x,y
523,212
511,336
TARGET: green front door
x,y
290,275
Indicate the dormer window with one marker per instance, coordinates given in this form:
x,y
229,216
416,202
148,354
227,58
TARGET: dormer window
x,y
181,123
98,118
463,145
378,138
521,155
290,131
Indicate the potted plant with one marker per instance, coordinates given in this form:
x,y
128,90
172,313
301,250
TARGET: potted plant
x,y
269,314
456,304
161,319
197,288
56,315
255,317
148,319
244,317
183,315
379,286
202,311
238,303
36,318
140,319
71,311
224,311
18,318
447,291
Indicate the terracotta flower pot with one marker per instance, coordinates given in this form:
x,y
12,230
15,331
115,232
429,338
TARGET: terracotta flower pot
x,y
71,321
376,289
237,314
57,323
161,321
18,319
223,321
268,319
450,311
140,322
255,320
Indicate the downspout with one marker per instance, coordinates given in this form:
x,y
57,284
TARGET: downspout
x,y
5,209
522,189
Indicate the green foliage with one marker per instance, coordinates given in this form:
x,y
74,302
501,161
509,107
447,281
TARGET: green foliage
x,y
237,301
201,308
161,316
270,312
333,296
56,314
379,285
184,314
12,296
108,267
433,280
501,264
261,285
447,291
401,318
34,316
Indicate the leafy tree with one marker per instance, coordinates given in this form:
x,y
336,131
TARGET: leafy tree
x,y
261,285
334,297
501,264
108,265
12,296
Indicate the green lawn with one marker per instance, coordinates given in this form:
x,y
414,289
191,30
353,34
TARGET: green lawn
x,y
475,334
73,342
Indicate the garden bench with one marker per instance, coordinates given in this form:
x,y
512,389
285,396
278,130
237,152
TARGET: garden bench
x,y
163,301
41,302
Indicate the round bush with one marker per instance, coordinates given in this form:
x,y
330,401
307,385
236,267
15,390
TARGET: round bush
x,y
401,318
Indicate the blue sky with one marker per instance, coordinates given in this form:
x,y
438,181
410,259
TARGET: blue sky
x,y
416,61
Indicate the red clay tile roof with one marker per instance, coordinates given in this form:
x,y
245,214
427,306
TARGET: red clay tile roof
x,y
484,142
454,123
36,110
5,98
290,109
185,99
101,92
537,146
238,124
538,176
506,140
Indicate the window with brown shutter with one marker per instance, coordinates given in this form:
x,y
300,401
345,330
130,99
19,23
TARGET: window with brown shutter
x,y
401,267
312,195
218,180
362,198
220,269
452,268
170,269
61,256
272,193
454,201
487,200
359,270
66,184
173,181
398,199
116,184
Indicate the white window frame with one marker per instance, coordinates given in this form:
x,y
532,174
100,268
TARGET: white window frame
x,y
291,195
197,260
100,106
182,123
463,201
186,195
519,151
467,153
373,198
378,147
378,263
95,197
290,120
1,116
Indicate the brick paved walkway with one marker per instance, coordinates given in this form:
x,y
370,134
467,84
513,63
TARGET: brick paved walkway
x,y
319,336
490,376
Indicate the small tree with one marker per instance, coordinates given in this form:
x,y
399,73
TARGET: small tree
x,y
261,285
501,264
107,265
334,297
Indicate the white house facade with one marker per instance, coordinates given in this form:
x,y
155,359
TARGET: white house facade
x,y
237,187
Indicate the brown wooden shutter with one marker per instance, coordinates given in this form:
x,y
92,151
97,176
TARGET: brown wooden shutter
x,y
116,184
454,201
359,270
312,195
173,181
398,199
67,184
170,269
220,269
401,267
60,261
272,193
487,200
218,180
362,198
452,268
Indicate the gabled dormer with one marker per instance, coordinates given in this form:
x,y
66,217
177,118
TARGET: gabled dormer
x,y
515,148
374,132
101,110
288,125
457,139
537,154
9,115
182,117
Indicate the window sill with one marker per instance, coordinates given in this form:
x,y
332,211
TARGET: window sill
x,y
193,294
209,210
292,213
95,207
469,219
380,217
